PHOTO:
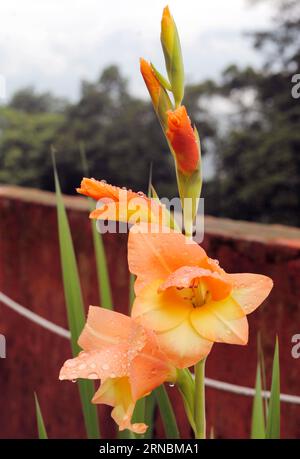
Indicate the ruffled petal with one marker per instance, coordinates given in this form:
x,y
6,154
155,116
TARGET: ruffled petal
x,y
160,311
250,290
117,393
221,321
109,363
150,368
133,211
104,328
183,345
187,276
154,254
98,189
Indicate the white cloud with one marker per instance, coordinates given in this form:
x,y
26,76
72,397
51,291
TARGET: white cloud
x,y
54,43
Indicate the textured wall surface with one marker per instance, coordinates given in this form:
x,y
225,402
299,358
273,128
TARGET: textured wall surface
x,y
30,274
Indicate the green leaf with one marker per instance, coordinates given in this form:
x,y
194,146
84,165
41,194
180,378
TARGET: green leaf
x,y
139,413
166,412
258,417
186,387
150,404
75,308
273,421
40,421
102,269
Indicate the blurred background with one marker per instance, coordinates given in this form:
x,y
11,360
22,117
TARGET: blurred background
x,y
70,78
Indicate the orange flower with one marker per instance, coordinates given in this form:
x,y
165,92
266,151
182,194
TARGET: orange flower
x,y
183,140
159,96
186,298
125,357
120,204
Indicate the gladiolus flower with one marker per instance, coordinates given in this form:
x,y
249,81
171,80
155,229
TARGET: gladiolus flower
x,y
120,204
183,140
172,52
126,358
186,298
159,96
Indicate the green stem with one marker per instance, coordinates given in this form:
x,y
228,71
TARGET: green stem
x,y
200,420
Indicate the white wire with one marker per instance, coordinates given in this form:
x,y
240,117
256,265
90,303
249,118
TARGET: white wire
x,y
34,317
212,383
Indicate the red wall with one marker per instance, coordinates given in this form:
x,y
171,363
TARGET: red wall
x,y
30,274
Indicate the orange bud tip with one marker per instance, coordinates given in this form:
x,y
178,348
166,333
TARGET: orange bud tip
x,y
183,140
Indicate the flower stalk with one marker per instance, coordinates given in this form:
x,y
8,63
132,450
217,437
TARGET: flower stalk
x,y
200,417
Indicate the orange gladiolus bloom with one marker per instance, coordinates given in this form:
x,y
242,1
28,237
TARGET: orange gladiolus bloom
x,y
125,357
183,140
120,204
186,298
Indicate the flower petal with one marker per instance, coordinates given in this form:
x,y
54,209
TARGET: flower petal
x,y
186,276
250,290
98,189
155,255
150,368
160,311
104,328
183,345
134,211
108,363
117,393
221,321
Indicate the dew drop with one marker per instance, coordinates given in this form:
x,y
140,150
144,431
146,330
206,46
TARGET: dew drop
x,y
74,380
171,384
103,181
93,376
105,366
82,366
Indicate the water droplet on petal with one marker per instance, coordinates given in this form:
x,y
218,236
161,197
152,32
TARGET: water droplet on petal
x,y
82,366
93,376
74,380
105,366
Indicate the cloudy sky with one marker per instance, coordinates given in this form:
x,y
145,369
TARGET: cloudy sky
x,y
53,44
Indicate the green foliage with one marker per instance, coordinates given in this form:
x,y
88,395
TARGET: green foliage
x,y
39,419
167,413
273,421
25,141
258,417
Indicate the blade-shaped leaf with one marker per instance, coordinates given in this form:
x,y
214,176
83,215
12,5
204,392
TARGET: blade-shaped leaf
x,y
75,309
102,269
150,404
40,421
166,412
258,418
273,421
